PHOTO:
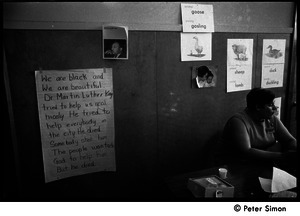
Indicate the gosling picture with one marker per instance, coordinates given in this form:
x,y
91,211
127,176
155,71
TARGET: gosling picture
x,y
196,46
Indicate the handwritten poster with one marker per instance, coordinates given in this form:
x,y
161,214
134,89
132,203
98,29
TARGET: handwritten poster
x,y
76,121
197,18
239,64
273,63
196,46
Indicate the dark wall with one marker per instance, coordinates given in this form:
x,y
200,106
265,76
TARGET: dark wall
x,y
162,125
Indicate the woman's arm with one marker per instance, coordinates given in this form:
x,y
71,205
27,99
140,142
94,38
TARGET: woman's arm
x,y
237,131
288,142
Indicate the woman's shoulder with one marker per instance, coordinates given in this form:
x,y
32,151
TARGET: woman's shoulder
x,y
240,115
239,119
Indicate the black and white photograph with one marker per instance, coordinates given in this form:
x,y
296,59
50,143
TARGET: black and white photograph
x,y
149,108
115,42
204,76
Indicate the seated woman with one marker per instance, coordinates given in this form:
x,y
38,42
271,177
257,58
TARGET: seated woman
x,y
252,136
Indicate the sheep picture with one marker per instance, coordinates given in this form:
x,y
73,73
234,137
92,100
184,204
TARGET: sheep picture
x,y
240,51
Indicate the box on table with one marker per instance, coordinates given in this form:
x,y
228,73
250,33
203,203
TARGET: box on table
x,y
210,186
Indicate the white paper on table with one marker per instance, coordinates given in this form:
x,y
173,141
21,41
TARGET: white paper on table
x,y
280,181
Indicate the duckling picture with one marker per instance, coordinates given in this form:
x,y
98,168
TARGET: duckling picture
x,y
273,53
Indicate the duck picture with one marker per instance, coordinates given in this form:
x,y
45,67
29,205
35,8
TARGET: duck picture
x,y
273,53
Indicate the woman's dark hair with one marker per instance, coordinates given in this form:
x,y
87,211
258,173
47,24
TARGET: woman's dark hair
x,y
260,97
202,70
210,74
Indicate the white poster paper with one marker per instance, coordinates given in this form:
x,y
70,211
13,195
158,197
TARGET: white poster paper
x,y
239,64
197,18
239,51
115,42
196,46
272,75
76,121
273,63
239,78
273,51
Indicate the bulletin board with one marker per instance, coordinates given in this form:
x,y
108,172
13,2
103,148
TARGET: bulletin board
x,y
190,120
162,125
134,108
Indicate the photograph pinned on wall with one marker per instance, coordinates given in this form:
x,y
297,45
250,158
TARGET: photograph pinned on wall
x,y
239,51
204,76
115,42
273,51
196,46
277,103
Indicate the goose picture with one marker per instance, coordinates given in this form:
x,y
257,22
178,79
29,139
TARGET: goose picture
x,y
198,48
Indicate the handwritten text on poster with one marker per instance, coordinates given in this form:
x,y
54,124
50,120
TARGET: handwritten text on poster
x,y
77,121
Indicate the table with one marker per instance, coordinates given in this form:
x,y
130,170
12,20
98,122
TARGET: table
x,y
244,178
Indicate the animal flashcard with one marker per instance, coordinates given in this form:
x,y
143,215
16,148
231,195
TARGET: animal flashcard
x,y
273,63
239,64
239,51
196,46
273,51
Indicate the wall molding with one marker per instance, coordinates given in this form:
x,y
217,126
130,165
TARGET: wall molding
x,y
248,17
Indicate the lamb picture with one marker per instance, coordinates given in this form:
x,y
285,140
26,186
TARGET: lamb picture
x,y
240,52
